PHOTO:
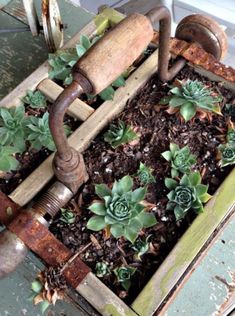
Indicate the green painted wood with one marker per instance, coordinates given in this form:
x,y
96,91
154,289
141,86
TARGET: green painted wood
x,y
21,53
186,249
210,290
3,3
15,292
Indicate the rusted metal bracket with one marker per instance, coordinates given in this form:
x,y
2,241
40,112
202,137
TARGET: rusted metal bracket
x,y
40,240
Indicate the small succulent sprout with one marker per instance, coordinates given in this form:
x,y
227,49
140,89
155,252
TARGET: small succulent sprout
x,y
7,160
67,216
227,154
188,194
141,247
181,159
61,64
229,109
39,134
144,174
120,210
190,97
37,287
102,269
13,127
231,136
35,99
119,134
124,275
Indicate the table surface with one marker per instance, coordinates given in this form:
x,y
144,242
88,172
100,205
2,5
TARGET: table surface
x,y
20,55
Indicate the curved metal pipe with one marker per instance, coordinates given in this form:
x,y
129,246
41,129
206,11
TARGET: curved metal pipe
x,y
56,119
162,15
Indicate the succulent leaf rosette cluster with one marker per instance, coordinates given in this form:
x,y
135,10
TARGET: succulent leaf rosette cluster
x,y
7,159
17,131
119,134
67,216
227,154
141,247
124,275
227,151
102,269
181,159
190,97
120,210
35,99
13,127
39,133
231,136
187,194
144,174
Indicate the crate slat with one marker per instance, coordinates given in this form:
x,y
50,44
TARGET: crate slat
x,y
81,138
186,249
102,298
77,109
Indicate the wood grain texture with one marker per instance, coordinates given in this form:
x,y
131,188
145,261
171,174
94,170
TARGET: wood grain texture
x,y
111,56
82,137
102,298
215,269
32,18
185,251
77,109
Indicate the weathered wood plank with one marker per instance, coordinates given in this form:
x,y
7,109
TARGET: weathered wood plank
x,y
215,269
187,248
212,76
77,109
82,137
31,16
102,298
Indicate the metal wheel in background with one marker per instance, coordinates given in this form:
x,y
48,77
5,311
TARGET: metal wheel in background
x,y
52,25
205,31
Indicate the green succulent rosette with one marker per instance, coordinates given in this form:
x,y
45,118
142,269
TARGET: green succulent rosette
x,y
227,154
191,96
144,174
231,136
102,269
181,159
120,210
119,134
187,194
124,275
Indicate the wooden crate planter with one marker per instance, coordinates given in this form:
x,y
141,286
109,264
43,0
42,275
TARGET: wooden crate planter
x,y
187,250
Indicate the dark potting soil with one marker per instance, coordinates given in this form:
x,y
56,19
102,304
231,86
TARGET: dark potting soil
x,y
156,129
30,159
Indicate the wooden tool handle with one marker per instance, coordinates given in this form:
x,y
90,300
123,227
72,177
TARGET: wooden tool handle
x,y
115,51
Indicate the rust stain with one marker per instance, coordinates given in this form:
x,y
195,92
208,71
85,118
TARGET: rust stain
x,y
70,271
229,303
8,209
38,238
198,56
